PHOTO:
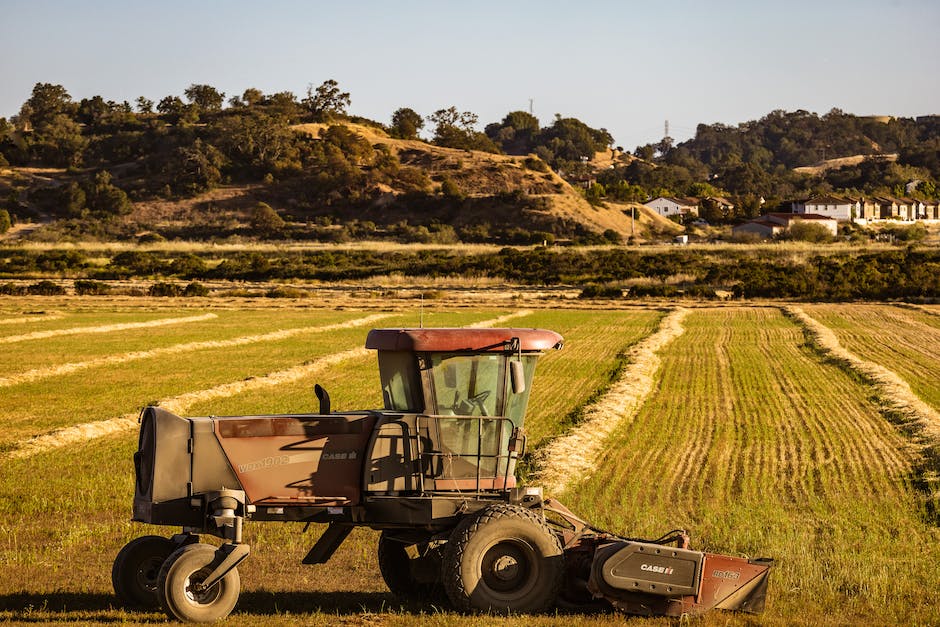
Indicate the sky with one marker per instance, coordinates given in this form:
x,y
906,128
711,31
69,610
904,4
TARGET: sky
x,y
622,65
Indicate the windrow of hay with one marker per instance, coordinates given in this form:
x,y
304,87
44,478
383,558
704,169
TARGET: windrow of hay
x,y
894,394
37,318
494,322
108,328
179,404
110,360
572,457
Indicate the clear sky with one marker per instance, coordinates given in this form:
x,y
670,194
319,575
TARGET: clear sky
x,y
623,65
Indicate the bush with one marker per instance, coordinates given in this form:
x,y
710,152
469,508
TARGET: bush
x,y
285,292
12,289
84,287
196,289
450,190
809,232
601,291
5,222
45,288
536,164
265,220
164,289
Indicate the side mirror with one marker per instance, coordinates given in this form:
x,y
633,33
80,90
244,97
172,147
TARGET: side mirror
x,y
517,377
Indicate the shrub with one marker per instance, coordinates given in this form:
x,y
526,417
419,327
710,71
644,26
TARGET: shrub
x,y
600,291
264,220
450,190
285,292
164,289
45,288
196,289
809,232
5,222
85,287
536,164
12,289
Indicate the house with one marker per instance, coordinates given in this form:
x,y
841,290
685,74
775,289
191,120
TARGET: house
x,y
761,226
775,224
671,206
842,209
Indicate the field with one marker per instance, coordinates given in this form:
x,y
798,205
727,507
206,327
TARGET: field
x,y
748,436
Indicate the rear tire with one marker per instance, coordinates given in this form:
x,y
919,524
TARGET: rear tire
x,y
405,577
503,559
190,565
136,569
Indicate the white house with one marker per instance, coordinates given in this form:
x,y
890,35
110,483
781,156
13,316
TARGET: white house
x,y
669,206
842,209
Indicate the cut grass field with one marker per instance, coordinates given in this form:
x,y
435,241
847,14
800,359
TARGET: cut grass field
x,y
749,439
759,447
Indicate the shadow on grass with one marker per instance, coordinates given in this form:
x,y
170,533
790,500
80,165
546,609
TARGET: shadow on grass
x,y
100,607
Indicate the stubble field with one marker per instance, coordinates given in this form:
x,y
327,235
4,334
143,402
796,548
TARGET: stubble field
x,y
748,435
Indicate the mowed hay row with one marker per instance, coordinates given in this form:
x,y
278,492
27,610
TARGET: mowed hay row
x,y
37,374
108,328
759,447
120,390
40,354
596,343
24,320
572,456
905,341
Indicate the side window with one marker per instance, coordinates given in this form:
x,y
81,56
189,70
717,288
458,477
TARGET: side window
x,y
401,390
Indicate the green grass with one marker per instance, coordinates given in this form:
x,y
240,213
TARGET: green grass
x,y
758,448
749,441
905,341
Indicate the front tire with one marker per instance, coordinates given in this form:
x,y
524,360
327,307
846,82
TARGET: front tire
x,y
136,570
407,578
186,567
503,559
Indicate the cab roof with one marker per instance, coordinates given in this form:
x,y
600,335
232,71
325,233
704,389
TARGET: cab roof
x,y
462,340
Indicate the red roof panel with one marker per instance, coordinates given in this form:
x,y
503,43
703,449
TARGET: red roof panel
x,y
461,340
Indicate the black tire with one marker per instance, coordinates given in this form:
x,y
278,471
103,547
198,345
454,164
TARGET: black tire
x,y
503,559
136,569
407,578
188,565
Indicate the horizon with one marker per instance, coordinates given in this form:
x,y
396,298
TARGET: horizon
x,y
705,65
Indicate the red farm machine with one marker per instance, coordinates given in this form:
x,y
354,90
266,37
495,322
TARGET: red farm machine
x,y
433,471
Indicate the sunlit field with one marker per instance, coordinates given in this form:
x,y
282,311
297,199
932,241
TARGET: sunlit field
x,y
750,440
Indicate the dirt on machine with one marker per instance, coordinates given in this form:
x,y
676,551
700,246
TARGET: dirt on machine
x,y
434,471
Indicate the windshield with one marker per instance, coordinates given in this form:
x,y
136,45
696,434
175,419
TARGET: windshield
x,y
467,385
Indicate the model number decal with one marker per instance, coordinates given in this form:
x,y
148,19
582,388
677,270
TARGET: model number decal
x,y
726,574
267,462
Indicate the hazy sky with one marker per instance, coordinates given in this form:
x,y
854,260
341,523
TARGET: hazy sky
x,y
626,66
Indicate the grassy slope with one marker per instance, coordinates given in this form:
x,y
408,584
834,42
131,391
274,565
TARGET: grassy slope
x,y
759,448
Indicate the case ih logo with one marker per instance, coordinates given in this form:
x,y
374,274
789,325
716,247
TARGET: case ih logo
x,y
650,568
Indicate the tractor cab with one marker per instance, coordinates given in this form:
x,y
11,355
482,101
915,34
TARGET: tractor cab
x,y
455,402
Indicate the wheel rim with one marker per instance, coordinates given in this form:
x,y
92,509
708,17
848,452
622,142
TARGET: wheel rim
x,y
201,597
508,567
147,573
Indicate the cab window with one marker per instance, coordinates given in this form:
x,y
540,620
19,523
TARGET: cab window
x,y
467,385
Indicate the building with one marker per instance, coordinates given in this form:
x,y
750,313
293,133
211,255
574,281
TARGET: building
x,y
667,206
775,224
842,209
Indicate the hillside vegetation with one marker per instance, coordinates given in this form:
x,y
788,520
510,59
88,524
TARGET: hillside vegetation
x,y
273,166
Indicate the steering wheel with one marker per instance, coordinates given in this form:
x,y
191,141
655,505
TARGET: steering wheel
x,y
478,401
